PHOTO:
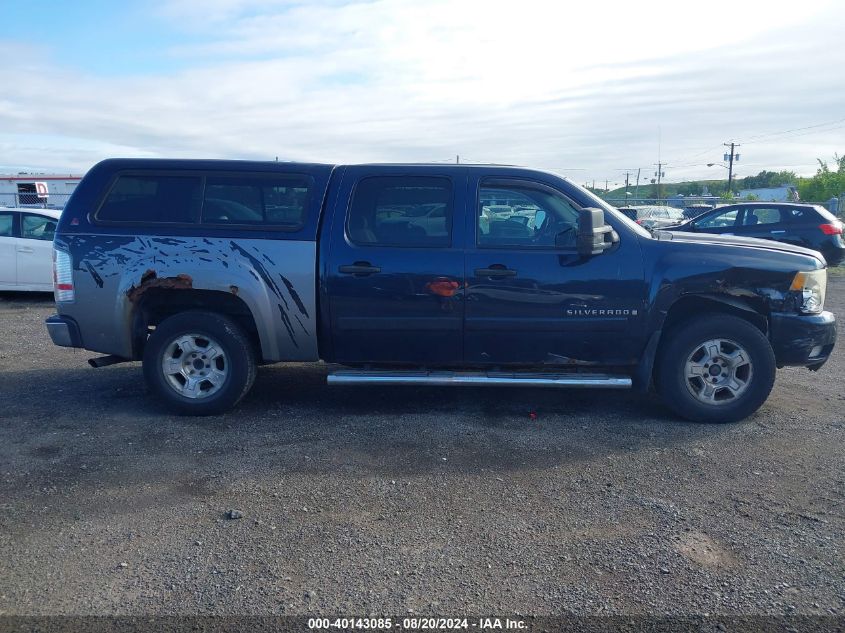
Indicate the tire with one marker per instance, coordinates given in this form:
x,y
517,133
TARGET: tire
x,y
734,350
199,363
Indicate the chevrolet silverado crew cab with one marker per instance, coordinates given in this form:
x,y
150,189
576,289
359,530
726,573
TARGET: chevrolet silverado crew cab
x,y
421,275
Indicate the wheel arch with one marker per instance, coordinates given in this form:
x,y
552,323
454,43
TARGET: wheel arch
x,y
158,304
688,306
694,305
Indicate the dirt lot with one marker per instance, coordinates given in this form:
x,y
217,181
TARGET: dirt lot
x,y
384,501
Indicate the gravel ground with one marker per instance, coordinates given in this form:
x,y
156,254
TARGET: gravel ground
x,y
399,500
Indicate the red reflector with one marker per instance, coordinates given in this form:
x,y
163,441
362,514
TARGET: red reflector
x,y
64,286
831,229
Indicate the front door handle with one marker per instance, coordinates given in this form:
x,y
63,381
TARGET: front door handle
x,y
25,249
778,232
359,268
496,270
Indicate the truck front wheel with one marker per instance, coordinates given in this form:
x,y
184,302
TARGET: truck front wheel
x,y
200,363
715,368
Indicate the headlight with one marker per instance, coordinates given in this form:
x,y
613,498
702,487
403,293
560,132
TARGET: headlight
x,y
811,287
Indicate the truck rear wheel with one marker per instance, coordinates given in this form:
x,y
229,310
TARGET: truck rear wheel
x,y
200,363
715,368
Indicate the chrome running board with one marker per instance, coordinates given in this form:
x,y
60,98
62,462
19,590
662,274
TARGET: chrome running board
x,y
478,379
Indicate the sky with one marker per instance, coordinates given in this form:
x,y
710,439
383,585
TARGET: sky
x,y
590,90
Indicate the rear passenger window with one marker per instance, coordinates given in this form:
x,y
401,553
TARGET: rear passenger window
x,y
412,211
37,227
258,200
167,199
759,215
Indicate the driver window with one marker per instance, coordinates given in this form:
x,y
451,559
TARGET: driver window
x,y
718,220
525,217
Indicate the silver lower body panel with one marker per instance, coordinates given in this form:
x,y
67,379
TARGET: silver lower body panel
x,y
477,379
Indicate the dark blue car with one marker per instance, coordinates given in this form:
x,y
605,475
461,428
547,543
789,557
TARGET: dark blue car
x,y
807,225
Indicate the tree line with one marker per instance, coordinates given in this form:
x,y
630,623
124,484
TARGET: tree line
x,y
828,182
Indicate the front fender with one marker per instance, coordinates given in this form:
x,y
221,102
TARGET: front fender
x,y
734,277
687,279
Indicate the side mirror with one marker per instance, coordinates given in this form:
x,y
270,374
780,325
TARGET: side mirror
x,y
592,232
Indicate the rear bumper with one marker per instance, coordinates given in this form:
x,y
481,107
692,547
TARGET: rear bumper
x,y
64,331
803,340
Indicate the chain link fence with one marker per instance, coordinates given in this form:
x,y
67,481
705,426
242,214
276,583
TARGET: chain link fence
x,y
32,200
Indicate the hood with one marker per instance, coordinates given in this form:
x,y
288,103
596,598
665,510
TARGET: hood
x,y
733,240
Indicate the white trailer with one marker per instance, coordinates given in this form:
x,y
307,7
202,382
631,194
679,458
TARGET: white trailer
x,y
46,191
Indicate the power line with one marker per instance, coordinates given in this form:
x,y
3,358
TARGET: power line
x,y
810,133
709,149
801,131
797,129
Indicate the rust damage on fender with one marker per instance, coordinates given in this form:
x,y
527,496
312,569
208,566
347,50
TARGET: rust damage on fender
x,y
150,280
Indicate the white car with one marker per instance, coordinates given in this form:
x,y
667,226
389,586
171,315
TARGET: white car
x,y
657,216
26,248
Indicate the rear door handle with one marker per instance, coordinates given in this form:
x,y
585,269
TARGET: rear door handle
x,y
25,249
496,270
778,232
359,268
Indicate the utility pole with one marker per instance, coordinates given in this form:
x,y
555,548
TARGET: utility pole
x,y
730,158
457,159
637,190
659,175
626,188
605,187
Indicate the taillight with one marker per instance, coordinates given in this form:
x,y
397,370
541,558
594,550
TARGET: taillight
x,y
832,229
62,276
640,222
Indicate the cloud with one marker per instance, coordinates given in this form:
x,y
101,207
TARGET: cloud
x,y
550,85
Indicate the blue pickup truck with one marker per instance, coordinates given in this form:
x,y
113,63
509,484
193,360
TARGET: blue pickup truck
x,y
421,275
